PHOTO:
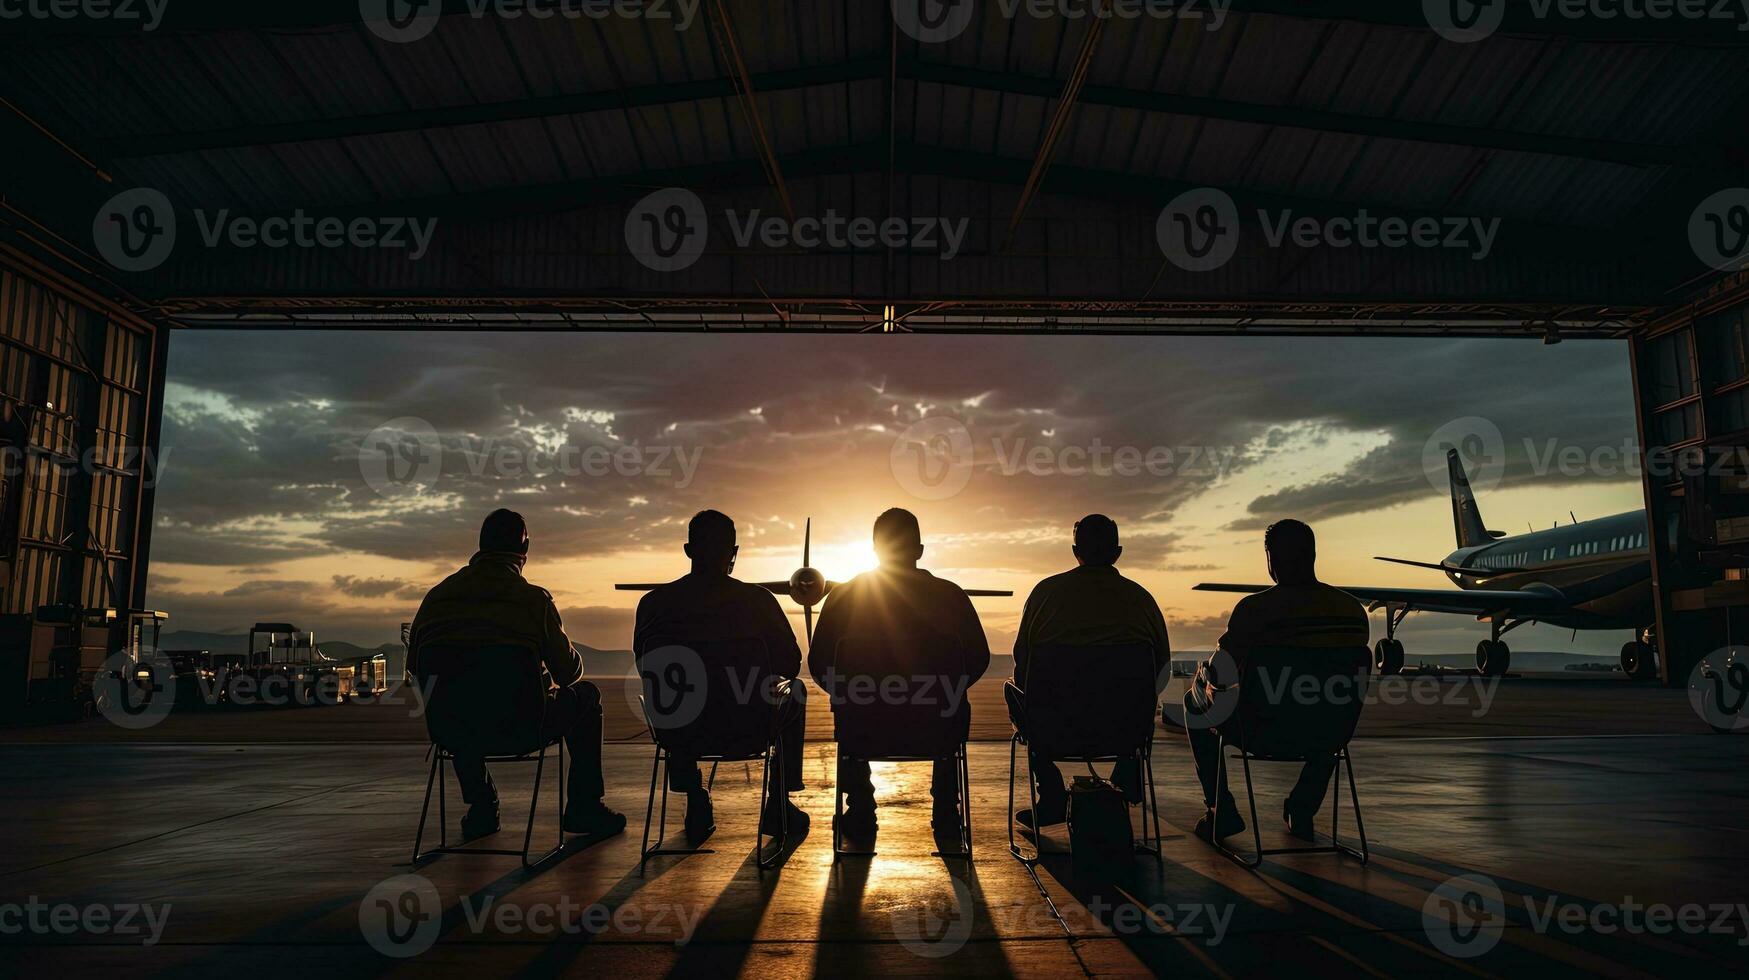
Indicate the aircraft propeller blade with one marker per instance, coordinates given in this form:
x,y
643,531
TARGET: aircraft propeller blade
x,y
807,537
808,624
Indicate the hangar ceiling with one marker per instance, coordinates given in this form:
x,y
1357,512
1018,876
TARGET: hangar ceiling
x,y
1037,165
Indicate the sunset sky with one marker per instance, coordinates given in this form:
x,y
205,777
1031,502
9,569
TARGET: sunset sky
x,y
278,503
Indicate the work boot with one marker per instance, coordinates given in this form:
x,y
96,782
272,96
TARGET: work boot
x,y
858,819
945,821
593,819
1299,822
701,817
777,813
480,820
1226,824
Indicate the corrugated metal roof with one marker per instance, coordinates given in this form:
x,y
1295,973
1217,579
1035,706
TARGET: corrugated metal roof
x,y
97,93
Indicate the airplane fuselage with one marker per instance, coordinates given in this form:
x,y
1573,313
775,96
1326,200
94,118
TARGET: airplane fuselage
x,y
1601,568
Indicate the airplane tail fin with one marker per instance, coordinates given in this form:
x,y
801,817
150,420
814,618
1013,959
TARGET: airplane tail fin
x,y
1466,517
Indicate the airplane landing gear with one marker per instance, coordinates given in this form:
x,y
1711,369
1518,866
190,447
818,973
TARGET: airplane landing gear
x,y
1387,654
1493,658
1387,657
1638,660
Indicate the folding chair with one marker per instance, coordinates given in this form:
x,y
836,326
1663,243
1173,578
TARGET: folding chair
x,y
903,719
490,700
1292,728
1088,704
737,717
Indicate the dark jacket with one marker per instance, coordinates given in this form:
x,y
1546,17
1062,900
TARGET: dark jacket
x,y
489,603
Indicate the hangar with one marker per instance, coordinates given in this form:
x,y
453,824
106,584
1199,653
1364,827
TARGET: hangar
x,y
510,166
1568,172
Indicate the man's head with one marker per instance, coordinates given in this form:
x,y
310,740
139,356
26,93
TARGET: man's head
x,y
506,531
710,541
897,539
1292,551
1096,540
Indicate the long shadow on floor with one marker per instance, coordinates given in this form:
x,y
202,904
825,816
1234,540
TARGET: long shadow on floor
x,y
949,924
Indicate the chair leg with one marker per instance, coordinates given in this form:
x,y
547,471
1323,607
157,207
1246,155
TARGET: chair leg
x,y
1145,772
837,808
649,810
966,795
442,800
430,781
768,782
1364,853
1254,861
1013,844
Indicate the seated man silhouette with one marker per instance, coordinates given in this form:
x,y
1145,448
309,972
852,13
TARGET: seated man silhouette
x,y
1300,613
892,606
488,603
1090,605
707,604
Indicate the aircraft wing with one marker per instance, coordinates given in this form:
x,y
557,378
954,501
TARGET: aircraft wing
x,y
988,591
640,587
781,588
1516,603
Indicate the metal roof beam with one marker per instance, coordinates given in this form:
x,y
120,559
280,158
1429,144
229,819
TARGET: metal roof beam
x,y
1517,18
872,69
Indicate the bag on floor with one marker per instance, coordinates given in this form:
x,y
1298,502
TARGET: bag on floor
x,y
1099,823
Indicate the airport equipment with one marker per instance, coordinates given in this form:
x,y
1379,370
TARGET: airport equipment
x,y
50,659
282,657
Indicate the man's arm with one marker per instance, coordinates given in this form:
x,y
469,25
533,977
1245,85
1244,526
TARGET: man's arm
x,y
1023,638
973,641
823,652
780,639
556,650
1162,645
